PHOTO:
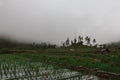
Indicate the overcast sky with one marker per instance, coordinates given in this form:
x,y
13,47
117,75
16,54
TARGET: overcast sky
x,y
55,20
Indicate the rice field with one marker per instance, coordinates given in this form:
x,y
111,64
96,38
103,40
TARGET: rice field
x,y
15,67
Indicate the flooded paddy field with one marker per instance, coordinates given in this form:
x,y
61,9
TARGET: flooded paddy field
x,y
15,67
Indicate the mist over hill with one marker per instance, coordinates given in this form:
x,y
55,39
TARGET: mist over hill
x,y
55,20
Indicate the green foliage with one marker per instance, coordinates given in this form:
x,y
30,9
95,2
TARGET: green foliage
x,y
8,43
17,67
4,51
77,42
81,57
114,44
67,42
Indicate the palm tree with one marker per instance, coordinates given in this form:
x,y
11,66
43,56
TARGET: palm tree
x,y
75,41
87,39
67,42
80,42
63,44
72,43
80,38
94,41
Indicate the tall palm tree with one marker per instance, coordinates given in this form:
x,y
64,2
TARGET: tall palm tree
x,y
87,39
80,42
67,42
75,40
80,38
72,43
94,41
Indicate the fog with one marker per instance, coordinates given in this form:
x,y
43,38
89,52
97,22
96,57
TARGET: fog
x,y
55,20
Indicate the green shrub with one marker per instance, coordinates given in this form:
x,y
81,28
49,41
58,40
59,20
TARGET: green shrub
x,y
5,51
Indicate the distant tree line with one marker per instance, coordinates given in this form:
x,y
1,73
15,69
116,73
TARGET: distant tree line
x,y
114,44
8,43
79,41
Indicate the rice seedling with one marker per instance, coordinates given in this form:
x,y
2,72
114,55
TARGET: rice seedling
x,y
15,67
18,67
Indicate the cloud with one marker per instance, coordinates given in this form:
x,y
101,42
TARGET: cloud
x,y
55,20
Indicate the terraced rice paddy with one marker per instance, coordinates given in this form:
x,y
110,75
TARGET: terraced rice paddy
x,y
14,67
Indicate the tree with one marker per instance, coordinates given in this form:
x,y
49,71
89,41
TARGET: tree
x,y
80,42
80,38
72,43
63,44
94,41
67,42
75,41
87,39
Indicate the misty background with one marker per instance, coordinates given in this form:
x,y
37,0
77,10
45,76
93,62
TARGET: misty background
x,y
55,20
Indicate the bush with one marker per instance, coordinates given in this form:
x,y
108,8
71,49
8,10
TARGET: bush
x,y
5,51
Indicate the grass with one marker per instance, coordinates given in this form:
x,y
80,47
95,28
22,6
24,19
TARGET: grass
x,y
107,62
15,67
80,57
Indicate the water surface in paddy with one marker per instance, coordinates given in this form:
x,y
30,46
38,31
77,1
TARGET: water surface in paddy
x,y
13,68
